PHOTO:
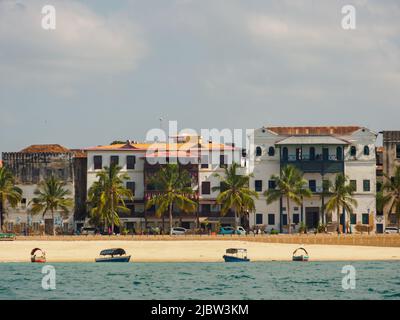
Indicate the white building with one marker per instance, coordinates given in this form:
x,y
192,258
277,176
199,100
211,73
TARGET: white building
x,y
320,153
139,160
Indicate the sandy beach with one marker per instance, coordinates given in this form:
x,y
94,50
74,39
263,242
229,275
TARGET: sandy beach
x,y
188,251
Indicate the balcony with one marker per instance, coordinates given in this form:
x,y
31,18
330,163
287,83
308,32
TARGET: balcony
x,y
318,164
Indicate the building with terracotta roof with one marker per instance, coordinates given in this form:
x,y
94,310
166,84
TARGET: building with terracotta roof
x,y
320,153
34,164
141,160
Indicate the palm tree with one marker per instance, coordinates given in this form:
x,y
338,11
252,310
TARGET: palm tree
x,y
8,192
391,195
51,195
107,195
341,198
290,185
235,193
174,189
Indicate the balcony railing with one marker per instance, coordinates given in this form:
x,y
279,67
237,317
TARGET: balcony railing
x,y
317,164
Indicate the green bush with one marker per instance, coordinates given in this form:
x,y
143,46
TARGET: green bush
x,y
274,232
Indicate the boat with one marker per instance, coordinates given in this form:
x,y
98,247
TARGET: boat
x,y
236,255
302,255
113,255
38,258
7,236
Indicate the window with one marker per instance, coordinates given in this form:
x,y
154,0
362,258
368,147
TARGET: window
x,y
353,151
222,161
366,186
312,153
353,218
325,154
258,152
206,208
353,185
271,184
312,185
271,151
204,162
130,162
259,218
398,151
271,219
285,154
114,161
23,203
366,151
296,218
131,186
339,154
222,186
365,218
258,185
98,162
284,219
206,187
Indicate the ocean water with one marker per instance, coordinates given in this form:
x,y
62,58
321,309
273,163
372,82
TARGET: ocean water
x,y
258,280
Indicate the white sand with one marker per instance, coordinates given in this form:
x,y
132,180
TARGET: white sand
x,y
187,251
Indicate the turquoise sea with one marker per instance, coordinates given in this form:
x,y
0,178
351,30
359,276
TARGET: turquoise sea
x,y
259,280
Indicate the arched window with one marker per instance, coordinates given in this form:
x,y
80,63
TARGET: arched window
x,y
353,151
339,154
271,151
312,153
285,154
258,152
366,151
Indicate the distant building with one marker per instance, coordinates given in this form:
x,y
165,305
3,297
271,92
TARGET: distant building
x,y
141,160
391,160
320,153
33,165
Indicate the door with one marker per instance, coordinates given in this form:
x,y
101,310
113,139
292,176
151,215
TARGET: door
x,y
312,217
379,228
48,226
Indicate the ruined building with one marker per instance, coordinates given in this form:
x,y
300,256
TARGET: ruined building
x,y
34,164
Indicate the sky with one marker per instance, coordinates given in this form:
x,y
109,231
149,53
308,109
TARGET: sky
x,y
111,69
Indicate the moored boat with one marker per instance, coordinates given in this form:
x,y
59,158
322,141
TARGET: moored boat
x,y
300,254
113,255
35,257
236,255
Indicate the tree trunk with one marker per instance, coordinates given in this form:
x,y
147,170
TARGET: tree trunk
x,y
163,223
54,224
1,212
338,221
170,218
236,219
112,212
288,215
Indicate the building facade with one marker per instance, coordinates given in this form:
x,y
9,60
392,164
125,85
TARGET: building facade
x,y
34,164
141,160
391,160
320,153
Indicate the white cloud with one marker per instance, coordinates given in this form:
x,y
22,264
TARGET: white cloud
x,y
83,43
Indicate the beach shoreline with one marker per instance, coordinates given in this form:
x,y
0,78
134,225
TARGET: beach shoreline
x,y
188,250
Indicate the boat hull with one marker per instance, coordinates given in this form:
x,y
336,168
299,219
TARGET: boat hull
x,y
300,258
114,259
235,259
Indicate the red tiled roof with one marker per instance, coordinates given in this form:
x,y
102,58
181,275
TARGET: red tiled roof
x,y
45,148
334,130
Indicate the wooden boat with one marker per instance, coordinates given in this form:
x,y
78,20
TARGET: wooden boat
x,y
300,254
36,258
113,255
236,255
